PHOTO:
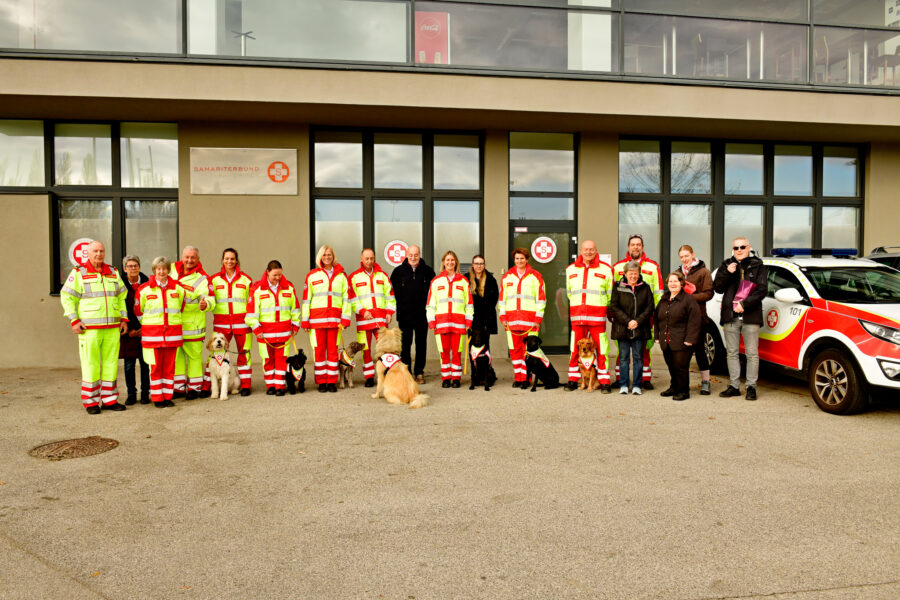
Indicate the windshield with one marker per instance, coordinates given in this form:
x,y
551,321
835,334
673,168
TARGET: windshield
x,y
856,285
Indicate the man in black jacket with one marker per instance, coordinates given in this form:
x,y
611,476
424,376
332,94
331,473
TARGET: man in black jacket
x,y
411,281
743,275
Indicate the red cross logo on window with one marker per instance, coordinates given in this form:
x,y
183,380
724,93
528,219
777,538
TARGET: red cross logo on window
x,y
278,172
395,252
543,249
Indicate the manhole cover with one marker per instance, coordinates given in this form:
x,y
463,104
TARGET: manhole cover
x,y
88,446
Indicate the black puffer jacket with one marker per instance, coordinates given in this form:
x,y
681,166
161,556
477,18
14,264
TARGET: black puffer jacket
x,y
411,292
678,321
485,306
626,305
727,284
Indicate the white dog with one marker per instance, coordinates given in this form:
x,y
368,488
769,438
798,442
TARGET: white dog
x,y
222,373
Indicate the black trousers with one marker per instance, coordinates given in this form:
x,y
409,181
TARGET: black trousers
x,y
420,332
699,350
678,362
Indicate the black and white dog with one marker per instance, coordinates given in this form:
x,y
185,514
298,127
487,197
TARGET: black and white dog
x,y
480,359
538,365
295,378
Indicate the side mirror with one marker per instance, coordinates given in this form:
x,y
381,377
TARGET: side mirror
x,y
789,296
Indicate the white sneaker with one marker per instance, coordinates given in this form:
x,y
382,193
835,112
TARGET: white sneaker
x,y
636,391
623,389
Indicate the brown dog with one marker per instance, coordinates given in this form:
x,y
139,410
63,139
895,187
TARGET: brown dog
x,y
346,362
587,364
392,376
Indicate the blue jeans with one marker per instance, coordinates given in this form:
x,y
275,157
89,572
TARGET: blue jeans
x,y
631,350
130,380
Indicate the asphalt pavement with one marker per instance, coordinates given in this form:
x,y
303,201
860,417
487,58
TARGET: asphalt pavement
x,y
500,494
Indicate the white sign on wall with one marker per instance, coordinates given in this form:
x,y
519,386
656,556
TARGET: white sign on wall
x,y
244,171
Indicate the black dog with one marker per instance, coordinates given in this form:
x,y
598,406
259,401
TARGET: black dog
x,y
539,365
295,377
482,371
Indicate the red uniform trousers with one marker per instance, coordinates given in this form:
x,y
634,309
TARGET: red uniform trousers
x,y
594,332
451,357
274,367
244,370
325,351
368,363
162,374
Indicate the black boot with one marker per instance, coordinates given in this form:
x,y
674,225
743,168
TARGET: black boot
x,y
131,398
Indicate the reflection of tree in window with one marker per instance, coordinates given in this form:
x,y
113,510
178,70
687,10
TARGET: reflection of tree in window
x,y
639,172
690,173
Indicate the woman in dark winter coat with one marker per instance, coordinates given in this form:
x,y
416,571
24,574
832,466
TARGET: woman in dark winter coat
x,y
677,329
699,283
485,293
130,348
631,306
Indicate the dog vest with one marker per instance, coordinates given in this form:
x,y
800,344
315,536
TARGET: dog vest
x,y
297,373
220,358
587,363
346,359
539,354
476,351
389,360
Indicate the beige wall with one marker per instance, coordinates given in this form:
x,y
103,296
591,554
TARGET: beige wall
x,y
32,322
882,188
598,192
496,201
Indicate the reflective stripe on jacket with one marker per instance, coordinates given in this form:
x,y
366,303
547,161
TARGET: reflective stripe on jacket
x,y
275,317
326,300
650,273
588,288
522,299
161,313
194,321
96,299
449,308
231,300
371,293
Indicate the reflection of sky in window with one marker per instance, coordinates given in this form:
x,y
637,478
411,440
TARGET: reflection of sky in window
x,y
104,25
339,210
541,170
840,226
83,155
455,211
21,153
743,174
338,165
793,175
839,175
792,227
326,29
551,209
398,211
398,166
456,168
743,221
642,219
149,155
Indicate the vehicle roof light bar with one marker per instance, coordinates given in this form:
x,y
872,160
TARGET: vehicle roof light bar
x,y
835,252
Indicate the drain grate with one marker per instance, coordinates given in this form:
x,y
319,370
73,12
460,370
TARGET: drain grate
x,y
77,448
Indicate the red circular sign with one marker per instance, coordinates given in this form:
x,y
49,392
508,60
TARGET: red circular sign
x,y
395,252
772,319
78,251
278,172
543,249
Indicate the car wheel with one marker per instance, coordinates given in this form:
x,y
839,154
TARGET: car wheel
x,y
835,383
715,350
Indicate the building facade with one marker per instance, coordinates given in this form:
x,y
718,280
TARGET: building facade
x,y
276,126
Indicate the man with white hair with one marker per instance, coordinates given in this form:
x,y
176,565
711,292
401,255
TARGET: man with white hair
x,y
93,299
190,375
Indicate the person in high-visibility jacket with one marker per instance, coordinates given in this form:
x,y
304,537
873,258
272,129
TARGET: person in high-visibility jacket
x,y
93,300
190,372
589,283
651,274
231,289
372,298
159,305
449,311
521,306
273,314
326,311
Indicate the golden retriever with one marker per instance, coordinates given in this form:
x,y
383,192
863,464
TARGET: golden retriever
x,y
587,364
393,379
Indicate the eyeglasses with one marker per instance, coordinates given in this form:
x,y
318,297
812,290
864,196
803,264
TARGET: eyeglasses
x,y
739,247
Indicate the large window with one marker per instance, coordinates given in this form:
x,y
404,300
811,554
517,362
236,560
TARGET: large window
x,y
21,153
774,194
376,188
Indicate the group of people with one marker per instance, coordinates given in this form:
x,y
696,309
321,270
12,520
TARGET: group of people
x,y
159,322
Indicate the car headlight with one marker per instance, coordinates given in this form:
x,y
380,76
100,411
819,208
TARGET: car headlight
x,y
888,334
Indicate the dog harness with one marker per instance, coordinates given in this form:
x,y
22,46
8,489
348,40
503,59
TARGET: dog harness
x,y
476,351
389,360
539,354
